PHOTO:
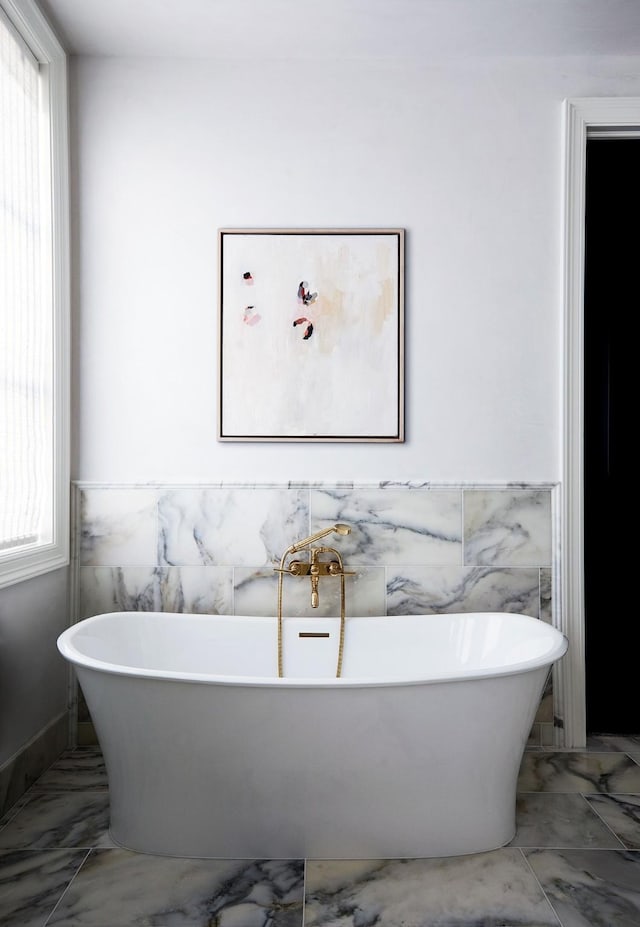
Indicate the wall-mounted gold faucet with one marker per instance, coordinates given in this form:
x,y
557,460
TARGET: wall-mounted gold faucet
x,y
314,568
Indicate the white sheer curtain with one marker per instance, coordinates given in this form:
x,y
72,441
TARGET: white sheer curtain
x,y
26,330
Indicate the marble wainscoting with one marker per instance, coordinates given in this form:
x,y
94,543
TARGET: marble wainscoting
x,y
414,548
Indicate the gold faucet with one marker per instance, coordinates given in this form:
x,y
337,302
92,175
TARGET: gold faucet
x,y
314,568
315,577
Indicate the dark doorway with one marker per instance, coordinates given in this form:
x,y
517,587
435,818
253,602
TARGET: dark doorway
x,y
611,435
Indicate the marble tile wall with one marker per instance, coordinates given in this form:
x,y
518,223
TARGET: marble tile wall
x,y
415,549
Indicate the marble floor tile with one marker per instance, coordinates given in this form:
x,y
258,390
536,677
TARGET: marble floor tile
x,y
578,772
31,883
548,819
466,891
622,814
83,770
118,887
615,742
582,848
59,819
590,888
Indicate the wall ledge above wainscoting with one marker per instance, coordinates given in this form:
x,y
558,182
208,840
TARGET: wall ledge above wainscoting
x,y
319,484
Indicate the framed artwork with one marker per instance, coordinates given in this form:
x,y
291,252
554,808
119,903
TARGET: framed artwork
x,y
311,328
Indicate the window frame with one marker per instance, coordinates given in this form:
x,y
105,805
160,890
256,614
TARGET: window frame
x,y
19,564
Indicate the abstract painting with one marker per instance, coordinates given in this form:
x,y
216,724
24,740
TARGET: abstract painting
x,y
311,328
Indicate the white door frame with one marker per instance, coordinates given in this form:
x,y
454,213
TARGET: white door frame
x,y
619,117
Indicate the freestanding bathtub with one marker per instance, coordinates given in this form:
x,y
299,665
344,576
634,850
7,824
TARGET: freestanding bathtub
x,y
413,752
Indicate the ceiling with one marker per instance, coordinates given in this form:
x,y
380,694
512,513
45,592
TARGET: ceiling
x,y
311,29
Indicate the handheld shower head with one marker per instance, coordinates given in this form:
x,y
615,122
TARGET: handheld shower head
x,y
338,529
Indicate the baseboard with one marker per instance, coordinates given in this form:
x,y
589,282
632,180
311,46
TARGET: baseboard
x,y
21,770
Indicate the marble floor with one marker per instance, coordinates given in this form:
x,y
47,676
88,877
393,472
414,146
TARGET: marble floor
x,y
574,862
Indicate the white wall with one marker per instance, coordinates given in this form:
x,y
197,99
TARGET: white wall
x,y
466,156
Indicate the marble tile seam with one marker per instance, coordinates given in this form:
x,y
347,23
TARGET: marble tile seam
x,y
67,887
603,821
539,884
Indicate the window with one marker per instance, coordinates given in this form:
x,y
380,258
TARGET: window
x,y
34,296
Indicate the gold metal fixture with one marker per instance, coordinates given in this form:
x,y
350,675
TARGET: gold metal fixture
x,y
334,529
314,568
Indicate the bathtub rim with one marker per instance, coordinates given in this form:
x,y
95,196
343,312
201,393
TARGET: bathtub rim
x,y
75,657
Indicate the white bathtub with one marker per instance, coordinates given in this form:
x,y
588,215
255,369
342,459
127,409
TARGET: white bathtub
x,y
413,752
